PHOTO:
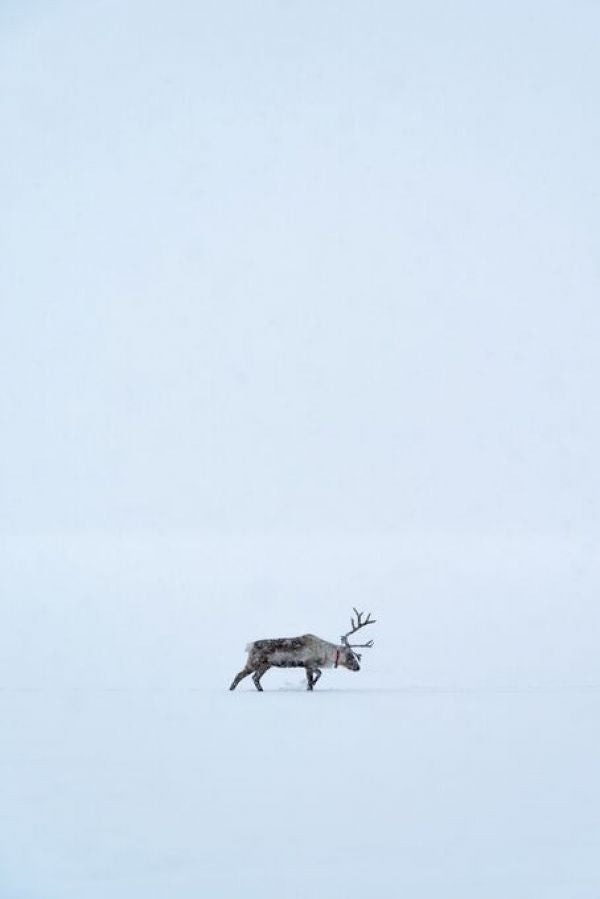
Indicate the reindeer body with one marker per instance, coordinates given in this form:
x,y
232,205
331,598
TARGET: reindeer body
x,y
308,651
293,652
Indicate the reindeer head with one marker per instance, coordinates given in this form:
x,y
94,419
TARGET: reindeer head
x,y
348,657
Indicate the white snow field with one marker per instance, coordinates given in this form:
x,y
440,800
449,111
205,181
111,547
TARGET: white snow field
x,y
462,761
299,311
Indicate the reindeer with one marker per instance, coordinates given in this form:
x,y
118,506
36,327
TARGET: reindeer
x,y
307,652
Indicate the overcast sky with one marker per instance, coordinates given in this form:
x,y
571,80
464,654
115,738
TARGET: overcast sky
x,y
301,266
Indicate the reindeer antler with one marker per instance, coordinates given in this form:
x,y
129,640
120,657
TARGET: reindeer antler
x,y
356,626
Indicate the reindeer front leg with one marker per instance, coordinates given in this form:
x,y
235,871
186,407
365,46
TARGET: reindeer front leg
x,y
312,676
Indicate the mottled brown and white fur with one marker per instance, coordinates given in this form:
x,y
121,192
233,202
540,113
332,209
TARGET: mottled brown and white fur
x,y
307,652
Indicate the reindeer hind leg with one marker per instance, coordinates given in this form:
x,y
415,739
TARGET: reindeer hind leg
x,y
240,676
262,669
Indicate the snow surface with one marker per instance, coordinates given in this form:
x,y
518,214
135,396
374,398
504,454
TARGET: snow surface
x,y
299,311
462,761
